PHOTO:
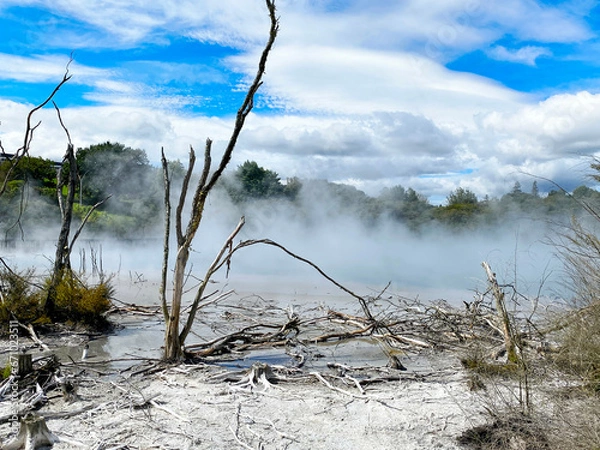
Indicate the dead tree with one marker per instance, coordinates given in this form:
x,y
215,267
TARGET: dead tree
x,y
23,150
30,128
62,252
62,259
507,326
174,338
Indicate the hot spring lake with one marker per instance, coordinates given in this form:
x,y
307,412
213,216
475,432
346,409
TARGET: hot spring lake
x,y
265,278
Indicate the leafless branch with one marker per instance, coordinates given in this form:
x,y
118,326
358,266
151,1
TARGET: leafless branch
x,y
30,129
84,221
248,103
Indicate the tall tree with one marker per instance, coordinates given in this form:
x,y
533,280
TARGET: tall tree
x,y
112,169
461,196
174,336
535,191
254,181
461,210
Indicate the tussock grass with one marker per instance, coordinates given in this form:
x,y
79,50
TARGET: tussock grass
x,y
79,302
76,300
19,297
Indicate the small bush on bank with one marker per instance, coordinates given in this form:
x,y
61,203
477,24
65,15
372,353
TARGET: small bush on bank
x,y
19,297
77,302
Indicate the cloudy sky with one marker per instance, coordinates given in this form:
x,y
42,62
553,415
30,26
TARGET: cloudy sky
x,y
426,94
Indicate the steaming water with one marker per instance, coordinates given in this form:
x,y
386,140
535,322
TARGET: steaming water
x,y
431,268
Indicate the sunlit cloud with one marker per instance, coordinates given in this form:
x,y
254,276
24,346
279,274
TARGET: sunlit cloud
x,y
356,91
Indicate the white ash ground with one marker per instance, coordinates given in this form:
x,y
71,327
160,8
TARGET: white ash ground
x,y
193,411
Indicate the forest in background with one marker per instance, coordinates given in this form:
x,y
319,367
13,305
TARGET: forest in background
x,y
134,189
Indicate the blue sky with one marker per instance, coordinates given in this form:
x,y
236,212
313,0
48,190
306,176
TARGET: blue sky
x,y
429,95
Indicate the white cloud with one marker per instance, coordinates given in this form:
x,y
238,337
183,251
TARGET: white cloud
x,y
530,20
432,28
354,81
375,150
125,24
561,126
365,93
524,55
41,68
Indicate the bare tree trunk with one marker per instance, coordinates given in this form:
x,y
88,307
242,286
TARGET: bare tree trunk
x,y
174,340
62,257
173,345
167,237
507,328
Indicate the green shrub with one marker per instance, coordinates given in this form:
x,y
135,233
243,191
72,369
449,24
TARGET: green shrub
x,y
75,301
7,371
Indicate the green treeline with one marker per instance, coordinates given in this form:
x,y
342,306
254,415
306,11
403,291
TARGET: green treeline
x,y
132,194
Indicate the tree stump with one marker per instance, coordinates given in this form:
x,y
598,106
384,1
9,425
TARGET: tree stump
x,y
259,373
24,363
33,434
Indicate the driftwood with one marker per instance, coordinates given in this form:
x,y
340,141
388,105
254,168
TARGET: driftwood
x,y
33,434
249,336
507,327
34,336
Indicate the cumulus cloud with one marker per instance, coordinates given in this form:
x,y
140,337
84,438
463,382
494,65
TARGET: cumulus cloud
x,y
561,126
361,88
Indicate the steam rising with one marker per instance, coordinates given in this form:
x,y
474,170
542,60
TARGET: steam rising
x,y
433,263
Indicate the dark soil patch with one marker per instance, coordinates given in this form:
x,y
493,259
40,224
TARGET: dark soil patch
x,y
516,432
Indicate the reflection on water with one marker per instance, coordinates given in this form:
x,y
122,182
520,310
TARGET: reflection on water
x,y
267,300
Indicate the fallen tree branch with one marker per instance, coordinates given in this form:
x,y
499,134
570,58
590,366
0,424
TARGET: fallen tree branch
x,y
320,377
33,336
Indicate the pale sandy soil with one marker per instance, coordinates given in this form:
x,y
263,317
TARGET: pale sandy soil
x,y
192,408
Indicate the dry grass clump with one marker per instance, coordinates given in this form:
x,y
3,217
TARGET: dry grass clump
x,y
509,432
75,300
19,297
579,351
